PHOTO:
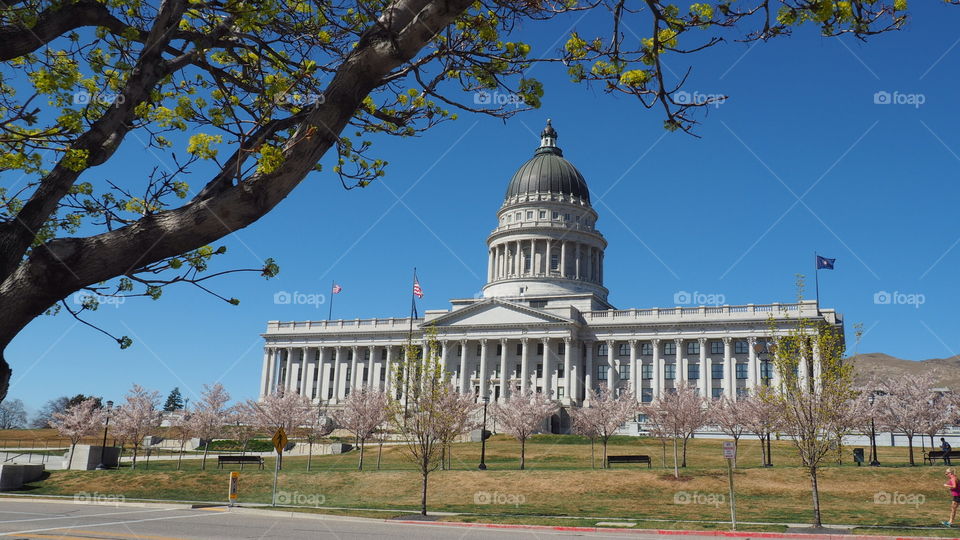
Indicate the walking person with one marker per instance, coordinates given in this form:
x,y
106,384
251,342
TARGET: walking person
x,y
954,487
945,446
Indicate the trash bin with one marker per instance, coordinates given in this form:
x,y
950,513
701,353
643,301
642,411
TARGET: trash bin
x,y
858,456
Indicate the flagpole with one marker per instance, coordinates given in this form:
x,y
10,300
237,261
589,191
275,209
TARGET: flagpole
x,y
332,294
816,273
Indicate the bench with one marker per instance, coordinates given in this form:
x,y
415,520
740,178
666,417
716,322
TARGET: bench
x,y
239,459
934,455
629,459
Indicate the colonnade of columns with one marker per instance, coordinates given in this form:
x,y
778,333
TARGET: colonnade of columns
x,y
535,257
563,368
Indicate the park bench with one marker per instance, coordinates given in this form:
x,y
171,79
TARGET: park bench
x,y
934,455
239,459
629,459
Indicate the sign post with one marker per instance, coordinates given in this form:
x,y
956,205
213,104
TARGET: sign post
x,y
730,453
234,487
279,442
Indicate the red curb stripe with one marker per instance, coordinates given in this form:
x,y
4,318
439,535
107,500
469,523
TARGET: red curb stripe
x,y
669,532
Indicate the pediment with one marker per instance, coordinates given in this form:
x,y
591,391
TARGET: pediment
x,y
497,313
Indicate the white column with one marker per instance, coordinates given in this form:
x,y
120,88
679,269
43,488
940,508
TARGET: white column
x,y
817,365
657,382
444,357
464,374
265,374
547,369
287,369
588,374
547,258
323,354
704,369
484,374
577,264
337,374
311,369
388,369
611,366
728,368
576,365
490,261
753,368
524,365
504,372
373,350
680,361
634,373
568,375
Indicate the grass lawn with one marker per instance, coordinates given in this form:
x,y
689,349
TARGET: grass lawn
x,y
560,482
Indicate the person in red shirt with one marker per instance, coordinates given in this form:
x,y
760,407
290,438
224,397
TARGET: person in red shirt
x,y
954,487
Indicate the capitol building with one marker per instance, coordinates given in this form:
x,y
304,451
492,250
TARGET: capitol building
x,y
544,322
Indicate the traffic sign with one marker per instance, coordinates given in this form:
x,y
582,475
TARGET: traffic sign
x,y
280,440
234,486
729,450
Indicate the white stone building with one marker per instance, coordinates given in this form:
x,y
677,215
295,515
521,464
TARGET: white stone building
x,y
544,322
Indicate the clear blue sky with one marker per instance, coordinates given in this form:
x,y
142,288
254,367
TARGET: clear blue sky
x,y
877,187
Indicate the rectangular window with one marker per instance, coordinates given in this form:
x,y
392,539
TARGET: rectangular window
x,y
646,395
624,372
383,354
459,350
669,372
623,349
560,370
766,370
539,370
516,372
499,349
566,217
602,350
559,392
741,370
556,215
539,349
716,347
366,355
479,349
366,373
716,393
669,348
716,370
529,214
517,216
526,260
496,371
601,373
740,347
543,214
693,347
519,349
561,348
646,349
693,371
646,371
742,392
554,261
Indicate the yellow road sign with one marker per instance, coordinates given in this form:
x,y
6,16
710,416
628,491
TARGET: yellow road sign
x,y
280,440
234,485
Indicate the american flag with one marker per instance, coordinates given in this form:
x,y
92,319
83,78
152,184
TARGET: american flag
x,y
417,291
336,288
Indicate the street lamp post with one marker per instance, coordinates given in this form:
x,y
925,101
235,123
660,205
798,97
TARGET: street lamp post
x,y
483,436
103,447
874,462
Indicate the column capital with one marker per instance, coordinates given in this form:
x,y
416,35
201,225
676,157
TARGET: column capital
x,y
483,342
611,342
525,341
545,341
703,341
727,340
655,341
463,341
678,341
567,340
752,340
371,347
634,341
503,341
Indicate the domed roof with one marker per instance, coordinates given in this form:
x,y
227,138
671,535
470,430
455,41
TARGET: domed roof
x,y
548,172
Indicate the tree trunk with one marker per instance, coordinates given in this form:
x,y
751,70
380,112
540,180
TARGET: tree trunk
x,y
180,457
522,452
379,454
309,454
604,453
676,462
593,458
203,464
763,450
360,465
910,444
816,497
134,464
684,461
736,442
73,448
663,453
423,489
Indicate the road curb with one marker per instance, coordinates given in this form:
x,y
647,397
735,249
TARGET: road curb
x,y
669,532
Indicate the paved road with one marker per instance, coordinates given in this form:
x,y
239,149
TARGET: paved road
x,y
41,519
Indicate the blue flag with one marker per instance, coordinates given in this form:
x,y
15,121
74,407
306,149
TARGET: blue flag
x,y
824,263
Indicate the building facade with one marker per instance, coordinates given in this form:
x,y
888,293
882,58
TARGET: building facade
x,y
544,323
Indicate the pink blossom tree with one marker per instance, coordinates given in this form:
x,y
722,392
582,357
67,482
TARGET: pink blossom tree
x,y
288,410
584,423
181,429
78,421
607,412
761,416
362,413
730,416
521,415
677,415
138,417
319,425
459,417
209,415
904,403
